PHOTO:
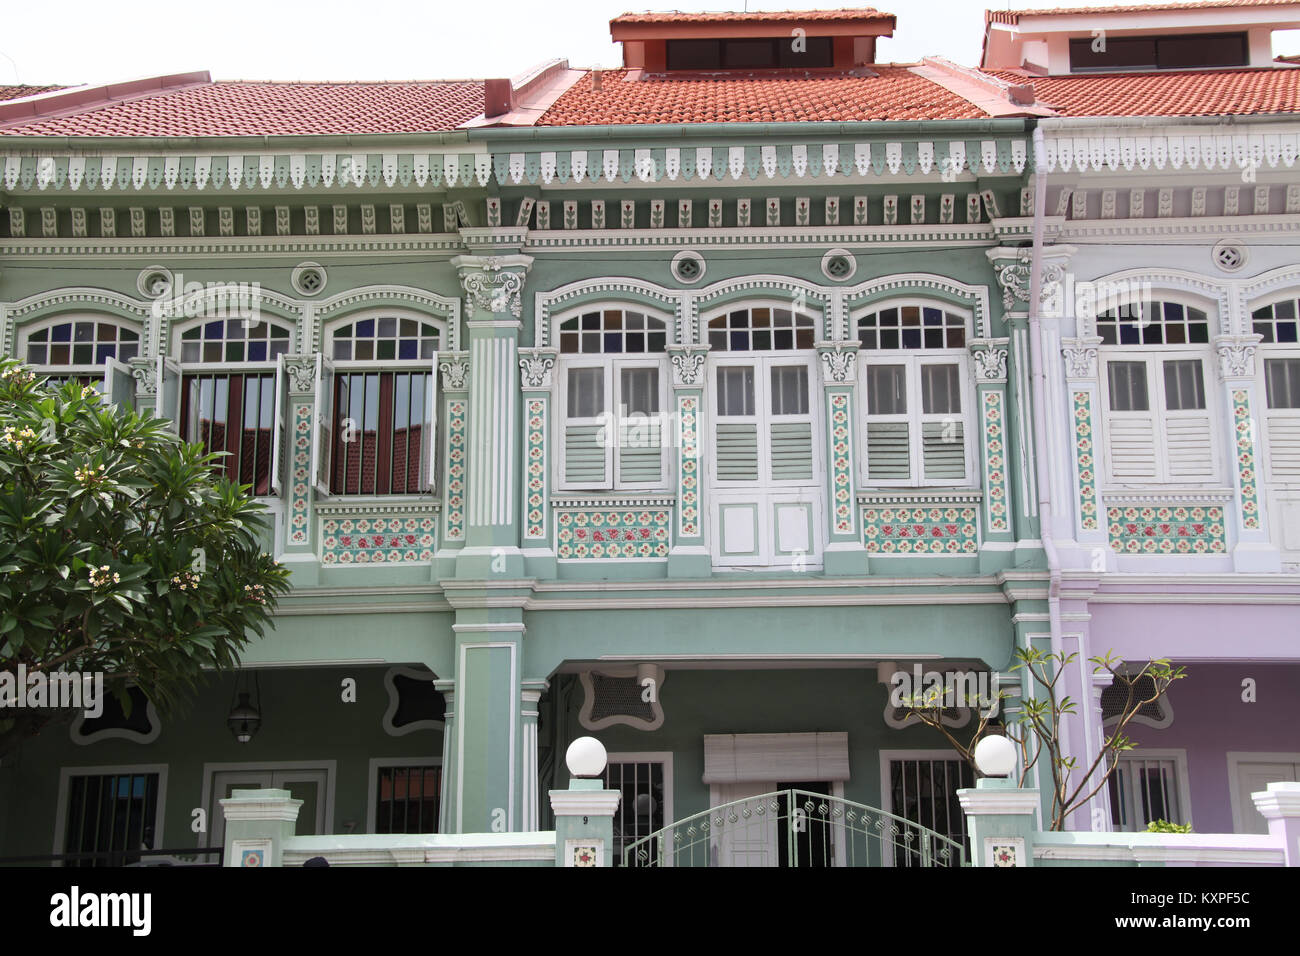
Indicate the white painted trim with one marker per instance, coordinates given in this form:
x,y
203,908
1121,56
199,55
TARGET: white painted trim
x,y
117,733
1182,784
1235,759
394,701
663,757
66,774
623,290
372,782
589,700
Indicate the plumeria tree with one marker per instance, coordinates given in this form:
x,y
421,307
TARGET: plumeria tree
x,y
1036,727
123,551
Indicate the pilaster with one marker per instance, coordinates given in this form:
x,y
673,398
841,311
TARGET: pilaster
x,y
455,371
1084,403
689,557
300,552
144,371
1236,368
845,553
537,379
989,364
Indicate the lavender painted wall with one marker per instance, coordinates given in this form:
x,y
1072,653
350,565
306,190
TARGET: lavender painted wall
x,y
1191,631
1210,719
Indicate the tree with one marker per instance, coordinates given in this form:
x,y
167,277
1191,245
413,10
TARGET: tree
x,y
1036,730
122,552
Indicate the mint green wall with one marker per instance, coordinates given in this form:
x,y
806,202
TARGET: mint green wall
x,y
304,719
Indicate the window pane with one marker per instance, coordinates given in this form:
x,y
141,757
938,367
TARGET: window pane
x,y
1282,377
1127,382
736,390
790,390
886,390
586,392
1184,385
640,390
940,390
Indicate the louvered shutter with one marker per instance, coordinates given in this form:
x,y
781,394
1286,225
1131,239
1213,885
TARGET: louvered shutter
x,y
792,451
584,454
943,450
737,451
640,450
889,451
1283,447
1189,447
1132,440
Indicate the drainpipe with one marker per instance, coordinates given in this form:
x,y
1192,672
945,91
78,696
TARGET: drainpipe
x,y
1039,416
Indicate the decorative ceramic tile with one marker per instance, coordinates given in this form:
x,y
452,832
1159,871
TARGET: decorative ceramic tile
x,y
995,462
688,525
535,522
456,454
586,533
1085,464
302,416
379,539
1179,529
921,529
1245,459
841,463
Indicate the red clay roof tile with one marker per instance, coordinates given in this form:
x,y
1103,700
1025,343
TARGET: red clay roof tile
x,y
14,92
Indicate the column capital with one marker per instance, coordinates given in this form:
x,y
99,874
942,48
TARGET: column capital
x,y
536,367
301,370
1013,264
1080,358
990,357
688,365
454,367
1236,355
839,361
493,284
145,373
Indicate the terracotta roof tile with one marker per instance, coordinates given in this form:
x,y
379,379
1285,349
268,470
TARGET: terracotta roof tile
x,y
273,109
895,93
783,16
14,92
1184,93
1013,16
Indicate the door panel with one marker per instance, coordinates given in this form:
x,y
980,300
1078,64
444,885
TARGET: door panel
x,y
1252,778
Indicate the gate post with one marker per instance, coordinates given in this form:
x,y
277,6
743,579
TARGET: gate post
x,y
1280,805
584,814
257,824
999,815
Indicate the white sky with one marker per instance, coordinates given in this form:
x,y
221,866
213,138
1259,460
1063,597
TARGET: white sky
x,y
93,41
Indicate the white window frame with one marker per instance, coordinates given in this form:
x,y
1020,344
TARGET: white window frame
x,y
1263,412
1180,785
326,414
1154,357
372,778
65,786
1235,760
108,369
612,363
663,757
887,757
916,418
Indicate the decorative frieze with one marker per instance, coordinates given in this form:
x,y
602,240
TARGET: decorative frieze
x,y
402,538
841,459
996,483
1246,470
299,488
688,467
1166,529
934,528
535,464
457,461
593,533
1085,462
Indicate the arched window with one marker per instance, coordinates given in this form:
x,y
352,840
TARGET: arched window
x,y
1157,408
762,329
1279,367
613,390
233,398
917,397
377,405
90,349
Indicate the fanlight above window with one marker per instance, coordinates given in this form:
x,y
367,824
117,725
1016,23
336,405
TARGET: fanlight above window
x,y
234,340
1276,323
1154,323
762,329
386,338
82,342
912,327
613,331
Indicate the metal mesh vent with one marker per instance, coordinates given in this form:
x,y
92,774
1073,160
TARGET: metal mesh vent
x,y
951,714
1114,697
618,697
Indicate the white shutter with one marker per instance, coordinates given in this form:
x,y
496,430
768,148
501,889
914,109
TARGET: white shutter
x,y
640,451
1283,435
943,450
1132,440
792,451
889,452
169,392
584,454
737,451
324,419
429,433
119,386
280,436
1189,448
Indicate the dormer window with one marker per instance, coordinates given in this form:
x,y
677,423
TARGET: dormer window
x,y
1188,51
751,54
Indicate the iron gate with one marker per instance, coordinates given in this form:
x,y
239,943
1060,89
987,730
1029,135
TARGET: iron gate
x,y
794,828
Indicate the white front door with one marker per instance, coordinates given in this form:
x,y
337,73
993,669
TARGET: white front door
x,y
309,786
750,838
1253,777
765,462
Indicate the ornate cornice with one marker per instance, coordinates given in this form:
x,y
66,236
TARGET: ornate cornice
x,y
1236,355
1013,268
621,288
455,371
688,364
990,360
839,361
536,366
973,297
493,284
1080,358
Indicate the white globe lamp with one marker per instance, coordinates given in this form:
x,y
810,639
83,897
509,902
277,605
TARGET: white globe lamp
x,y
586,757
995,756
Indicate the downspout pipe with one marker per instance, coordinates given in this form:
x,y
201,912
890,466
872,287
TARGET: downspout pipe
x,y
1040,425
